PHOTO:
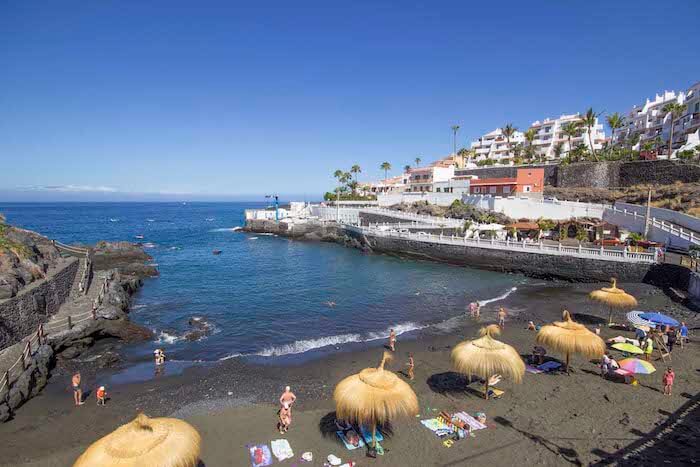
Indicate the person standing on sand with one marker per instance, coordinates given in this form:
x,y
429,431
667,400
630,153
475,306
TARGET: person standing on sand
x,y
77,392
285,418
472,309
668,378
411,366
648,349
392,340
684,334
502,317
287,398
101,395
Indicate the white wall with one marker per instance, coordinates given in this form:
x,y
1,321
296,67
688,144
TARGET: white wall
x,y
264,214
347,215
674,217
518,208
440,199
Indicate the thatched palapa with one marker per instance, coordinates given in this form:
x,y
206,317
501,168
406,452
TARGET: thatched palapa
x,y
374,396
155,442
487,356
569,337
614,298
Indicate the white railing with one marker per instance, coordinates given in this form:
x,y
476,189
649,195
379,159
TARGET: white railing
x,y
622,255
440,221
673,229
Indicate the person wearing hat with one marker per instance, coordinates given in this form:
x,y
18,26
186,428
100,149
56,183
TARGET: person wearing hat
x,y
101,395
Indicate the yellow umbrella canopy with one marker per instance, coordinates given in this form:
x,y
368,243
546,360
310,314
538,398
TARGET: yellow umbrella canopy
x,y
374,395
570,337
155,442
487,356
613,297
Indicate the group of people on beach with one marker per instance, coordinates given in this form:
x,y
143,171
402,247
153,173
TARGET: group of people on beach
x,y
100,393
475,312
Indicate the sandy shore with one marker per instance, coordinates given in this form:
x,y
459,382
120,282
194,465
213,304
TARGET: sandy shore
x,y
550,419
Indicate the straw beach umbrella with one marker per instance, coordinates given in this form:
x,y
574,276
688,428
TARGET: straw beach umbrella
x,y
374,396
156,442
570,337
487,356
616,299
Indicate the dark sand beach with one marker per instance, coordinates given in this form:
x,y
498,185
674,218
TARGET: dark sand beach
x,y
549,419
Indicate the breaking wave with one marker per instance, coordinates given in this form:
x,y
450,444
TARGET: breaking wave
x,y
495,299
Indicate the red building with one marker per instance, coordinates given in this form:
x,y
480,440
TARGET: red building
x,y
525,181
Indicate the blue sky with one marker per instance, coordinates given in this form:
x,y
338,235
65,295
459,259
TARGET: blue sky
x,y
216,98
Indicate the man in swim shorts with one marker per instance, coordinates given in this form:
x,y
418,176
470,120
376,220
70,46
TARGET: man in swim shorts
x,y
77,392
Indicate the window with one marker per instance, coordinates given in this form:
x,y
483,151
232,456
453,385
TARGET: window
x,y
506,189
492,189
527,188
437,190
476,189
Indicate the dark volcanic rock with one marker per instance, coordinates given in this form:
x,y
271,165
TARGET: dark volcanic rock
x,y
128,258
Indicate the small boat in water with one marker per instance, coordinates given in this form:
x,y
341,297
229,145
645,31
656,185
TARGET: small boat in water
x,y
216,252
140,237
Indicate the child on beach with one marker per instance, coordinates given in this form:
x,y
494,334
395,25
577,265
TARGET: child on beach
x,y
101,394
392,340
502,317
668,378
411,365
285,418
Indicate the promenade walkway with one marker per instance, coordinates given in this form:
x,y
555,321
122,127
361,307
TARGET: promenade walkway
x,y
542,248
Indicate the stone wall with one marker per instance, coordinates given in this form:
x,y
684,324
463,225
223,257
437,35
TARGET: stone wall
x,y
624,174
34,304
530,264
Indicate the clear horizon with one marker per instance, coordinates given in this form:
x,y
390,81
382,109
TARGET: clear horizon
x,y
167,100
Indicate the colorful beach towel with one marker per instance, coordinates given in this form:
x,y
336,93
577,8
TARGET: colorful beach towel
x,y
347,443
367,434
549,366
433,424
281,449
260,455
533,369
471,421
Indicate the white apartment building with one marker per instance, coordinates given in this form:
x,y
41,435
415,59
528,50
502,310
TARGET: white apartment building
x,y
494,145
550,135
395,184
425,178
650,121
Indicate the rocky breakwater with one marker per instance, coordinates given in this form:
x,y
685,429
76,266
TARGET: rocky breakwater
x,y
119,270
312,230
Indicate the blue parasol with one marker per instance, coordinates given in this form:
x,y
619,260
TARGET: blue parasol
x,y
658,318
635,318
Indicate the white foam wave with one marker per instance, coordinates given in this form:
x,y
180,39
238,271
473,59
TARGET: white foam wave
x,y
306,345
166,338
252,238
149,245
150,220
226,229
495,299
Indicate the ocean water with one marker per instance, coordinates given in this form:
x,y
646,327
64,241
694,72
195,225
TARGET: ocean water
x,y
263,296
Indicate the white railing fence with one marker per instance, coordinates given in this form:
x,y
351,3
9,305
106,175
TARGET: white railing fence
x,y
621,255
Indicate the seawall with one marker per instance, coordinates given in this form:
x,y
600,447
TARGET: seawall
x,y
36,303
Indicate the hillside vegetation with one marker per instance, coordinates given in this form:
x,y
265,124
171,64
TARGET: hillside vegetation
x,y
683,197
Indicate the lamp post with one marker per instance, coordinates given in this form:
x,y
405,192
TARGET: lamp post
x,y
277,206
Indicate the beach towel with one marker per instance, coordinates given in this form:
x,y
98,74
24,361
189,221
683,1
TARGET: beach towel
x,y
367,434
347,443
533,369
260,455
473,423
549,366
281,449
433,424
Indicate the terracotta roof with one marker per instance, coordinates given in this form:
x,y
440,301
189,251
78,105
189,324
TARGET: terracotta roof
x,y
524,225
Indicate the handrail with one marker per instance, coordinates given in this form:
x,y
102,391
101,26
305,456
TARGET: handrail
x,y
540,247
41,333
661,224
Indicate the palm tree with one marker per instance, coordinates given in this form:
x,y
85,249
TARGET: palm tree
x,y
355,169
455,129
558,150
675,110
406,168
530,136
386,167
615,122
418,160
508,131
589,120
571,130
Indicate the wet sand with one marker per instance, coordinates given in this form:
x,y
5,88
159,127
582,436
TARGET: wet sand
x,y
550,419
